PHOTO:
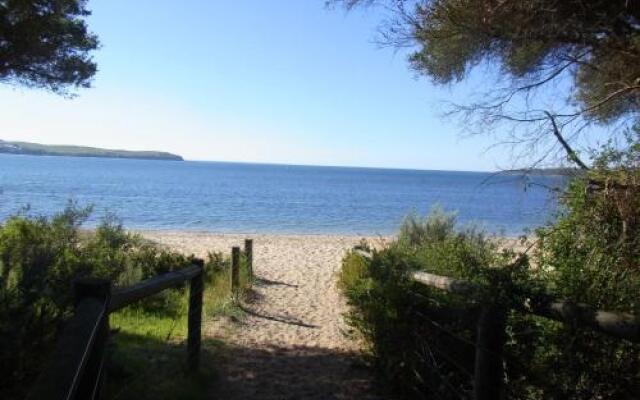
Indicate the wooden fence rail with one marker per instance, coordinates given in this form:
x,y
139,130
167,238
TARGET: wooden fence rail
x,y
248,253
235,271
76,370
619,325
490,333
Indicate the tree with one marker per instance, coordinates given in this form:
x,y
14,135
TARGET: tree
x,y
586,51
46,44
562,67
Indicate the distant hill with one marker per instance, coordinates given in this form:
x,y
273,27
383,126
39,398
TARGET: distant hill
x,y
546,171
81,151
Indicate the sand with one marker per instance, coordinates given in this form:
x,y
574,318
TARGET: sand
x,y
291,343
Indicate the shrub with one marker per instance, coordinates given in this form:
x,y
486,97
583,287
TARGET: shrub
x,y
592,255
422,341
401,321
39,259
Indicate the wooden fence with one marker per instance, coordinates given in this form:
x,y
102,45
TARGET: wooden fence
x,y
77,367
490,330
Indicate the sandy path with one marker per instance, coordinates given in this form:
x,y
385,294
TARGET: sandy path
x,y
291,343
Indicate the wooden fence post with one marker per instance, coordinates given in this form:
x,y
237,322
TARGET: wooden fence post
x,y
235,271
196,288
248,252
92,382
488,374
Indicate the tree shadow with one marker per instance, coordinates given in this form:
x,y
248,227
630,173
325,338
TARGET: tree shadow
x,y
284,320
141,367
145,367
299,372
266,282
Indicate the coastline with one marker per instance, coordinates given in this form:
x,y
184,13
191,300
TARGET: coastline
x,y
183,237
200,242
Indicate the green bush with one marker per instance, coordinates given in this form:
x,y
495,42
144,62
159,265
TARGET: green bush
x,y
592,255
422,341
39,259
401,321
148,359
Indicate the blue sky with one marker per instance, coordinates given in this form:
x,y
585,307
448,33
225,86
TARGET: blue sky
x,y
252,81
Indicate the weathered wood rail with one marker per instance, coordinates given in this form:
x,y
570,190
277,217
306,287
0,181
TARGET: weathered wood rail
x,y
76,370
490,330
235,266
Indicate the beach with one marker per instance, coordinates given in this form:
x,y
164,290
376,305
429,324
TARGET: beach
x,y
291,341
296,284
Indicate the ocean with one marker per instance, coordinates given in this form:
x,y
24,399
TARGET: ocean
x,y
262,198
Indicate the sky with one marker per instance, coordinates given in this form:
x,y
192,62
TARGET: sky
x,y
290,82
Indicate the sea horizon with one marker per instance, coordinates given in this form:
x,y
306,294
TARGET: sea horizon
x,y
284,164
253,198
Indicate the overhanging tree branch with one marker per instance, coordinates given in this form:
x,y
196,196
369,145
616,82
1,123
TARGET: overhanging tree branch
x,y
573,156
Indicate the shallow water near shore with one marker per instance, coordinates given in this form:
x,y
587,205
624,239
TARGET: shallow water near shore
x,y
259,198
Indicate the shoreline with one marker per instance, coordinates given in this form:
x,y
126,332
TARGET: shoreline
x,y
199,243
202,242
174,231
258,234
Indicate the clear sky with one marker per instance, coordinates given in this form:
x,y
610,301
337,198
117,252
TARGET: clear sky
x,y
252,81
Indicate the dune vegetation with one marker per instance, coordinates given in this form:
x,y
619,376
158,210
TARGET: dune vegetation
x,y
588,255
39,259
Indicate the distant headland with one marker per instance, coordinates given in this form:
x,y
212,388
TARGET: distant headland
x,y
82,151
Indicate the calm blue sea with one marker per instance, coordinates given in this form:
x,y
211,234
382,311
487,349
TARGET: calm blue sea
x,y
257,198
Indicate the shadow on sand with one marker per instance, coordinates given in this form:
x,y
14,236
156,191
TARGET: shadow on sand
x,y
276,318
274,372
267,282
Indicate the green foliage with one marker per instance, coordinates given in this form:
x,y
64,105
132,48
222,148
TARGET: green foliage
x,y
39,259
154,368
46,44
416,232
148,351
379,292
218,298
591,255
422,341
594,43
401,321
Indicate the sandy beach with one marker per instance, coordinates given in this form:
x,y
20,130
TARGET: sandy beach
x,y
291,343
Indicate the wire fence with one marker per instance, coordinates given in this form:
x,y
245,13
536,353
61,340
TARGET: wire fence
x,y
239,258
446,345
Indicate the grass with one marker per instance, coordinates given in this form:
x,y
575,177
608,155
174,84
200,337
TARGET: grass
x,y
149,353
41,256
149,367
